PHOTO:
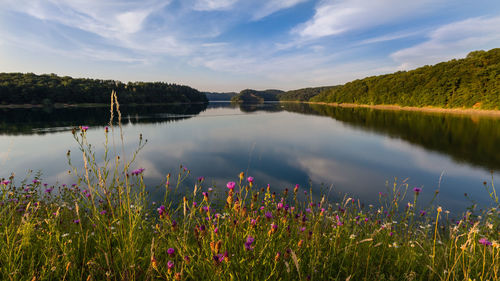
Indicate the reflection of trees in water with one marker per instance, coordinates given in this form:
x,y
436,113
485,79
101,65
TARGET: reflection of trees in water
x,y
471,139
15,121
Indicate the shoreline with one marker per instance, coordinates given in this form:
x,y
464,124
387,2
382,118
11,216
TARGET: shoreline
x,y
69,105
456,111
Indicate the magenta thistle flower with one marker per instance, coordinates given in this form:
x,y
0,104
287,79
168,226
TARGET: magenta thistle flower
x,y
84,128
171,251
76,221
248,243
161,210
231,185
170,264
269,215
417,190
48,190
137,172
250,179
485,242
6,182
279,206
422,213
103,212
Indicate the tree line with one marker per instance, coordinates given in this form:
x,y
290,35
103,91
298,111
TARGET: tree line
x,y
472,82
47,89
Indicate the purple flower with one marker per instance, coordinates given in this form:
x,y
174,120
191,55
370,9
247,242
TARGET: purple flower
x,y
171,251
485,242
216,230
200,179
48,190
417,190
77,221
84,128
103,212
250,179
279,206
248,243
269,215
6,182
161,210
170,264
422,213
308,210
231,185
187,259
36,181
302,229
138,171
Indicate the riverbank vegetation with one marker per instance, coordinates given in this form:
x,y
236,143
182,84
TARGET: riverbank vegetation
x,y
104,226
47,89
472,82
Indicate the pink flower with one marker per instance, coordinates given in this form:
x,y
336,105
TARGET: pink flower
x,y
250,179
84,128
485,242
138,171
231,185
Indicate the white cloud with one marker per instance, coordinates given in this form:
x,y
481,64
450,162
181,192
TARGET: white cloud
x,y
272,6
211,5
450,41
335,17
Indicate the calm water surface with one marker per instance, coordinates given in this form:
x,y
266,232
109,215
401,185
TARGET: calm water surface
x,y
355,151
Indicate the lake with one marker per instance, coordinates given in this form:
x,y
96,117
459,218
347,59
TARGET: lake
x,y
357,152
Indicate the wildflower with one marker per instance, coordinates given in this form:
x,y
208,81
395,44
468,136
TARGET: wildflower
x,y
296,188
422,213
170,265
171,252
301,242
302,229
485,242
48,190
162,211
154,264
84,128
103,212
137,172
187,259
205,196
216,230
248,243
5,182
77,221
439,209
277,257
106,129
279,206
242,175
231,185
417,190
269,215
200,179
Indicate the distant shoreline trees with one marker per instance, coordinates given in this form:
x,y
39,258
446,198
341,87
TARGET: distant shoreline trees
x,y
472,82
47,89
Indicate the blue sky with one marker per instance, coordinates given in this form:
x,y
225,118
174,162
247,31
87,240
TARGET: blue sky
x,y
230,45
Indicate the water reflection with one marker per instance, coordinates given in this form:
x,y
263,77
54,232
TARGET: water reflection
x,y
14,121
354,151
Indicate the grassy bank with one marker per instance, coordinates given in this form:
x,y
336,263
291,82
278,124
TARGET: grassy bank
x,y
104,227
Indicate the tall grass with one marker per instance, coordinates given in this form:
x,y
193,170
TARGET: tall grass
x,y
104,227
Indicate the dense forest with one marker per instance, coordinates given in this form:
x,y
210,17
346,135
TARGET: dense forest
x,y
213,96
19,88
303,94
254,96
472,82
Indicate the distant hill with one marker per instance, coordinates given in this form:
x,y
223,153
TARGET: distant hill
x,y
472,82
212,96
19,88
254,96
304,94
